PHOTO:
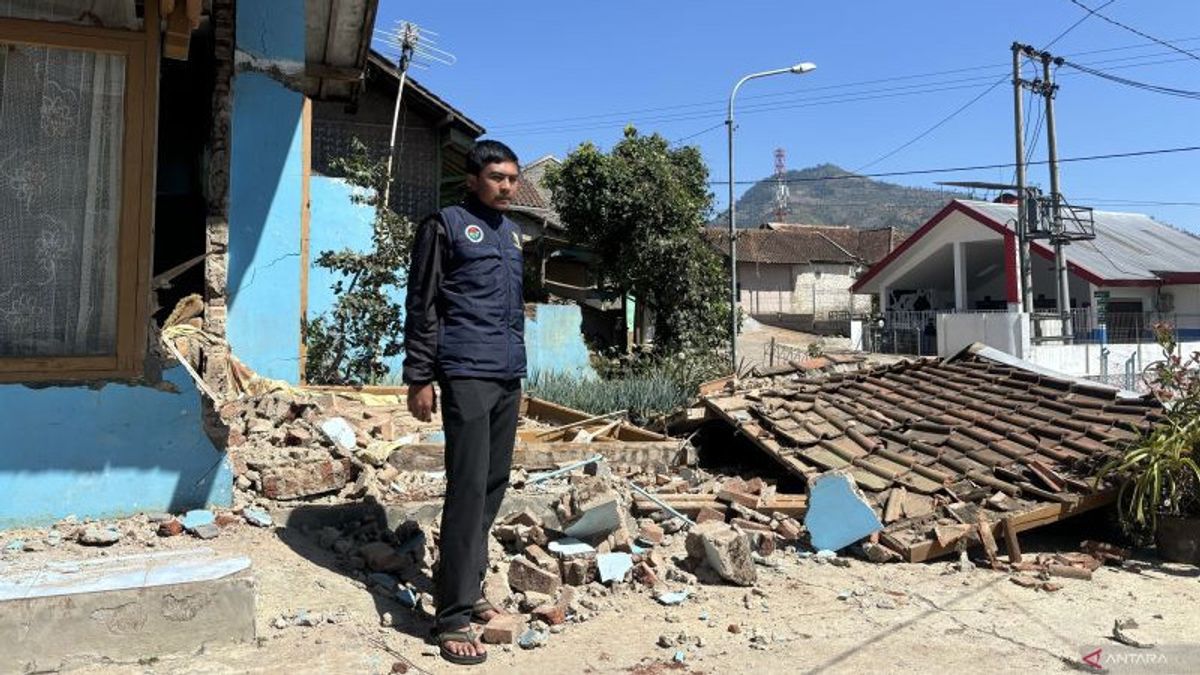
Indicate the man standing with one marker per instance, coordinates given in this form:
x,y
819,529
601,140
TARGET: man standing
x,y
464,327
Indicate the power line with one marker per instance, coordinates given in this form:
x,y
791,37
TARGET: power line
x,y
1131,29
964,106
714,127
1074,26
976,167
1159,89
807,102
807,90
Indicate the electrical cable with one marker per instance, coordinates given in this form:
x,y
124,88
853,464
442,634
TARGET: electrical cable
x,y
975,167
1131,29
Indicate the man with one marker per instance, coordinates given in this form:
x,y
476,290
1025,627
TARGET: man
x,y
464,328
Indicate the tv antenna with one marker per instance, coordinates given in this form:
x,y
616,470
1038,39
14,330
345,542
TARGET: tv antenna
x,y
408,45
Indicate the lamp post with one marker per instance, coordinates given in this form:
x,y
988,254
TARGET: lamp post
x,y
798,69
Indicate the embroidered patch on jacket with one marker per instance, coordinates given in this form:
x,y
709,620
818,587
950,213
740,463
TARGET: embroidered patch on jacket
x,y
516,240
474,234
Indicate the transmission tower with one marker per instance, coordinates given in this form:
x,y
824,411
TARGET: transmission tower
x,y
781,188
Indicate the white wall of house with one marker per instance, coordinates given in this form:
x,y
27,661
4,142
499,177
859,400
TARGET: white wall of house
x,y
798,289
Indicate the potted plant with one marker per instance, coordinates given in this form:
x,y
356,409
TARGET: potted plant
x,y
1159,473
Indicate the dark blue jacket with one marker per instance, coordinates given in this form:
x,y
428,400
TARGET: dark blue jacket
x,y
465,315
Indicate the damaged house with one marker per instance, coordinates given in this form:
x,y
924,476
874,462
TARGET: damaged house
x,y
158,152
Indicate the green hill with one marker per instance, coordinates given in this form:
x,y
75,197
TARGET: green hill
x,y
858,202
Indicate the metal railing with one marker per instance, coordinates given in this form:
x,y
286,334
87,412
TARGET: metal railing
x,y
1119,328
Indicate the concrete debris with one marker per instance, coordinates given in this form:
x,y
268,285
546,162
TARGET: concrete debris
x,y
838,512
725,550
533,638
257,517
525,575
503,629
100,535
198,517
206,531
613,566
339,431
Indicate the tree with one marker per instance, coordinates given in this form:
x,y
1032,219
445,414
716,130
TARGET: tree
x,y
350,343
641,208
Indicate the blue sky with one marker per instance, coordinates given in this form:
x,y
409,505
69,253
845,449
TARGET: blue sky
x,y
545,76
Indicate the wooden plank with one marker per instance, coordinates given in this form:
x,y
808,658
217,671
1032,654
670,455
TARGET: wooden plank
x,y
531,455
305,223
1037,517
142,94
178,34
1010,541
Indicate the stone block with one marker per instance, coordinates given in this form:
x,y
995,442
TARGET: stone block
x,y
503,629
708,514
305,480
524,575
727,552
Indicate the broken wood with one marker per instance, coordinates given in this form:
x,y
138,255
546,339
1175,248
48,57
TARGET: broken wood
x,y
692,504
1069,572
539,456
1010,541
988,541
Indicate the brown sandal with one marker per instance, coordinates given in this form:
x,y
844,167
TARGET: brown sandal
x,y
460,635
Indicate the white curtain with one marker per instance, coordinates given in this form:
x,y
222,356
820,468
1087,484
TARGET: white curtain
x,y
61,137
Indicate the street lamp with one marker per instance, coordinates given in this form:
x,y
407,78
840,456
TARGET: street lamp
x,y
798,69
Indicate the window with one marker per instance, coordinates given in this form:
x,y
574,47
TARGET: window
x,y
76,129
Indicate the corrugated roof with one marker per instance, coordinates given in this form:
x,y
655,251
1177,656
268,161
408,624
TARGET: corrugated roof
x,y
1128,246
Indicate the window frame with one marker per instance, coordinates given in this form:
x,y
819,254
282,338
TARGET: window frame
x,y
135,229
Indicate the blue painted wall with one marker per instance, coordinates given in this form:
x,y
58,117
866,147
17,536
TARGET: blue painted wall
x,y
554,341
106,452
337,223
266,173
271,29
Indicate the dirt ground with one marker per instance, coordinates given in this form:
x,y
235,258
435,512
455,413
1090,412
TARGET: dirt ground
x,y
803,616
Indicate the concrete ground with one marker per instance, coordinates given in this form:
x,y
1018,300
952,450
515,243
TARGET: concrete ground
x,y
804,616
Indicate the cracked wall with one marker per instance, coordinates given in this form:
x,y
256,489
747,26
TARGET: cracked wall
x,y
265,193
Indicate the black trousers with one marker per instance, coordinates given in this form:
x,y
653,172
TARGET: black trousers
x,y
480,419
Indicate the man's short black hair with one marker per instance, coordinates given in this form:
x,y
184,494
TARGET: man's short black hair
x,y
489,152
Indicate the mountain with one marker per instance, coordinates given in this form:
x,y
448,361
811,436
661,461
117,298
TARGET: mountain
x,y
858,202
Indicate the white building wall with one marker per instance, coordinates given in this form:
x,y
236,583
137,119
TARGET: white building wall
x,y
799,289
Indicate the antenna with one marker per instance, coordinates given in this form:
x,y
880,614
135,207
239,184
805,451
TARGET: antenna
x,y
407,44
781,189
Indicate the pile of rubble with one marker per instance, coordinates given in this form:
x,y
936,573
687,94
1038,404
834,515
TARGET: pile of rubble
x,y
569,539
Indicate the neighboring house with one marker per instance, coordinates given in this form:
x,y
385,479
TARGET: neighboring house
x,y
786,268
965,260
558,270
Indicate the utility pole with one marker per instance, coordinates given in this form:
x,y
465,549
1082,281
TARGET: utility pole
x,y
1025,269
1056,224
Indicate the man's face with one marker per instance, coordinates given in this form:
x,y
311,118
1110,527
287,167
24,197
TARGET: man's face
x,y
495,185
